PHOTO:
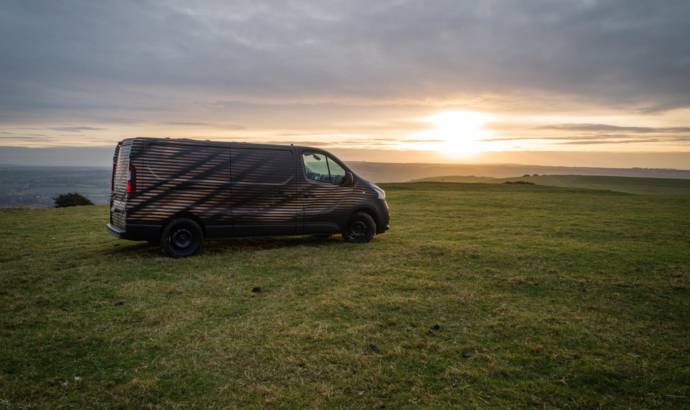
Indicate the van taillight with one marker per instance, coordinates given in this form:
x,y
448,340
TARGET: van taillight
x,y
131,179
112,178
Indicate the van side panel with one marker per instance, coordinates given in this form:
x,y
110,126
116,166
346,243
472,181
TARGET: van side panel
x,y
264,197
176,178
328,208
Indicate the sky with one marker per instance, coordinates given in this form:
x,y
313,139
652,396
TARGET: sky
x,y
580,82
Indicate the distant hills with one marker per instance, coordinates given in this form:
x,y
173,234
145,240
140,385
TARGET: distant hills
x,y
629,180
36,186
632,185
391,172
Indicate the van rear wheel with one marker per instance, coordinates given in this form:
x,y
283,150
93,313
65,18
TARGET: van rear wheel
x,y
361,228
181,238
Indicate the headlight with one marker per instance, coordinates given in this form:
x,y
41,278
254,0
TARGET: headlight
x,y
380,192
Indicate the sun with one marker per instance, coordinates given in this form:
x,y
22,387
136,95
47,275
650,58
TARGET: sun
x,y
458,133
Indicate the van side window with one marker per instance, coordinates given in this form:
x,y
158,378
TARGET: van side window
x,y
261,166
337,172
316,167
322,168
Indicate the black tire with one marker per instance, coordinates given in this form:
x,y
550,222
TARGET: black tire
x,y
181,238
360,229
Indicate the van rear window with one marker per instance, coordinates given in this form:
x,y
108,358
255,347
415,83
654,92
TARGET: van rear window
x,y
121,168
261,166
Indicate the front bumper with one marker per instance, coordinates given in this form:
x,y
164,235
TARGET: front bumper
x,y
383,224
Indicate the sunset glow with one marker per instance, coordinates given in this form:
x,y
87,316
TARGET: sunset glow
x,y
455,134
460,132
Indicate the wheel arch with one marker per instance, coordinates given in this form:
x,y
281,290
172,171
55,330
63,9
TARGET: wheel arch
x,y
368,210
189,215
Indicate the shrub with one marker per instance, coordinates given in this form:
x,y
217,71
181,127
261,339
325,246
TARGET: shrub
x,y
71,199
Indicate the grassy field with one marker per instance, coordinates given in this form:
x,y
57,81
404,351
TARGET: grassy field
x,y
481,295
632,185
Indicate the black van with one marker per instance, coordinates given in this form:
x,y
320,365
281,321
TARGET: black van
x,y
177,192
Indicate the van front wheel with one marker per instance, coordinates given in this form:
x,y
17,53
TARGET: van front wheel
x,y
361,228
182,237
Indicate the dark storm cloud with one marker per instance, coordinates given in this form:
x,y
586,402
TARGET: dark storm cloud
x,y
120,57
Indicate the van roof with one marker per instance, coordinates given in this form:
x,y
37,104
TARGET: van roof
x,y
214,143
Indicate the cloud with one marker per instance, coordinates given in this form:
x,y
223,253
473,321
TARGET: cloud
x,y
203,124
341,142
9,138
591,137
301,143
415,140
16,134
76,129
137,59
608,128
593,134
608,141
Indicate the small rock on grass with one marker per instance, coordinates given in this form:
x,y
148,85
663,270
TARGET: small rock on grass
x,y
373,348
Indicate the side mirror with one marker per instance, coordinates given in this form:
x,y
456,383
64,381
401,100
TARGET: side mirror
x,y
348,180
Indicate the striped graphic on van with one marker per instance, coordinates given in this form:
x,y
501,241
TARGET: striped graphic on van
x,y
261,187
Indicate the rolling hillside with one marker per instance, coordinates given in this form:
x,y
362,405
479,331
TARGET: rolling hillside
x,y
481,295
633,185
36,186
392,172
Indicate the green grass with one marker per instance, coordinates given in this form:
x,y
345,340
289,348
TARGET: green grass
x,y
479,296
632,185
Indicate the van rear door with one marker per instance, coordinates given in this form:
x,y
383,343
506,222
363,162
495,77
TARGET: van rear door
x,y
118,195
263,196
